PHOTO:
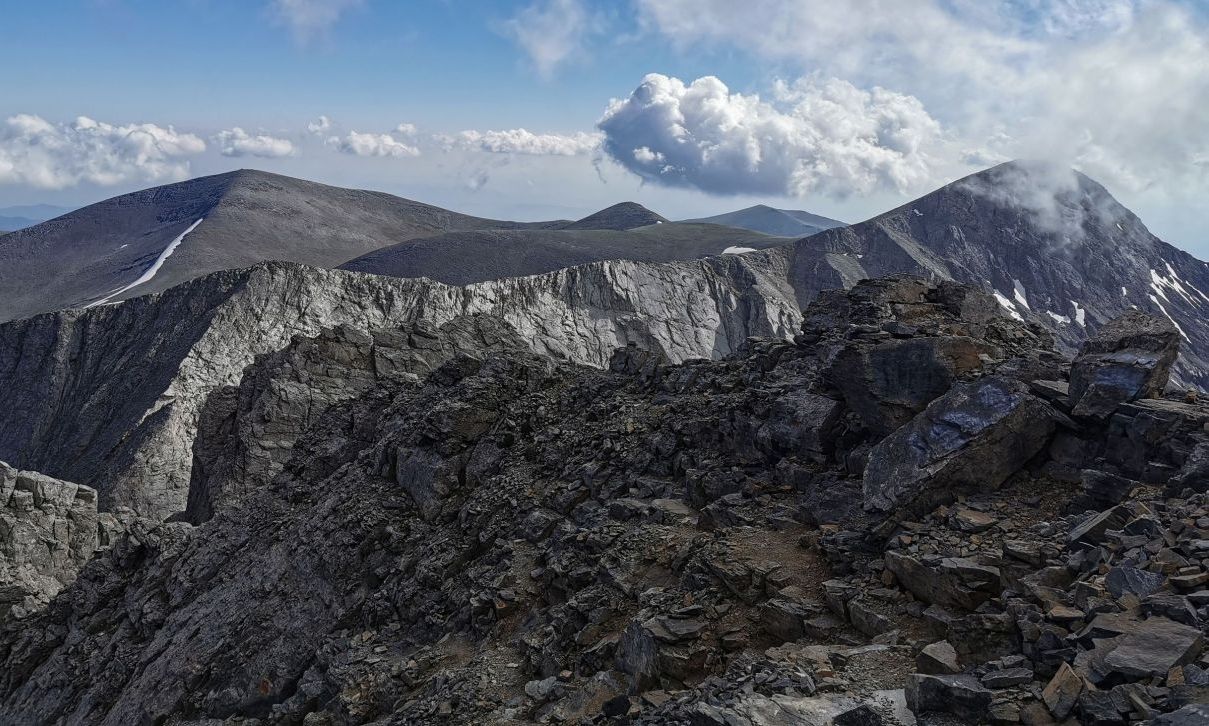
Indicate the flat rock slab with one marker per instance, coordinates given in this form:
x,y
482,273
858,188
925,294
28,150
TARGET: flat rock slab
x,y
970,439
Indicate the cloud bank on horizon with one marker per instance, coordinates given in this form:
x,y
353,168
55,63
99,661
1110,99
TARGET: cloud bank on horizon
x,y
868,97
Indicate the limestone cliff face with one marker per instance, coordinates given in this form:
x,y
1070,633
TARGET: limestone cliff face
x,y
111,396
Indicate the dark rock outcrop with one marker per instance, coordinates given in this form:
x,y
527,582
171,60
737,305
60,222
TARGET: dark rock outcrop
x,y
1127,359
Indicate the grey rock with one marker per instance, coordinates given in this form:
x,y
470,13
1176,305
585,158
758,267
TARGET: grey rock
x,y
1007,678
1127,359
1193,714
938,659
1125,579
970,439
1154,646
962,696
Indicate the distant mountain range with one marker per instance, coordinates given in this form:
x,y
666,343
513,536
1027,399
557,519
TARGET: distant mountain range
x,y
19,217
154,239
778,222
1070,263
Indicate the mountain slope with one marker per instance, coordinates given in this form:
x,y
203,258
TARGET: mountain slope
x,y
769,220
461,258
245,217
1053,245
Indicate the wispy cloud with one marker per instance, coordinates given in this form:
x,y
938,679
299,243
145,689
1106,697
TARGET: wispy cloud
x,y
38,153
551,32
310,18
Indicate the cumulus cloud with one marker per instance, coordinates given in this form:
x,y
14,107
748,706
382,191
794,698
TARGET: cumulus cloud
x,y
237,142
309,18
1114,88
47,155
522,141
551,32
813,135
369,144
320,126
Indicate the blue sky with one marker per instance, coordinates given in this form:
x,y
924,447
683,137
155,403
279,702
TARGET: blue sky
x,y
503,108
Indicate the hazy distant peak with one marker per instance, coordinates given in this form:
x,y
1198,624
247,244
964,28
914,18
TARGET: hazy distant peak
x,y
620,216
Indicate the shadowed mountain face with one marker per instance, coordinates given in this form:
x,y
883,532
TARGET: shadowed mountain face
x,y
769,220
246,217
460,258
1053,245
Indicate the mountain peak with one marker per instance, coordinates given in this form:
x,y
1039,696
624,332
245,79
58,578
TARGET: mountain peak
x,y
770,220
620,216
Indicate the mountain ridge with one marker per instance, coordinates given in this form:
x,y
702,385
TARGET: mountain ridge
x,y
248,216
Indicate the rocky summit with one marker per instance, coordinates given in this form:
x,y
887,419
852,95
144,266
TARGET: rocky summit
x,y
916,511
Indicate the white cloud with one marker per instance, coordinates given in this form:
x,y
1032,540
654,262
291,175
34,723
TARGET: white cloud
x,y
522,141
816,135
406,129
368,144
237,142
1115,88
309,18
46,155
320,126
551,32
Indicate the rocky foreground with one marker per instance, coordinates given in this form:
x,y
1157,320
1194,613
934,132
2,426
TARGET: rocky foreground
x,y
915,512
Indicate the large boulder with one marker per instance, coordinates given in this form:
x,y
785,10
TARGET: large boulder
x,y
48,530
1127,359
970,439
961,695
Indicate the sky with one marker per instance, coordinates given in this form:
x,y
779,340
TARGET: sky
x,y
534,109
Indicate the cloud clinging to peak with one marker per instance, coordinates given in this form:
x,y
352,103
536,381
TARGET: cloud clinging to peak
x,y
38,153
237,142
813,135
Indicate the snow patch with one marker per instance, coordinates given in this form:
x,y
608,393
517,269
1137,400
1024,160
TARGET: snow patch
x,y
1155,300
1020,293
150,271
1080,314
1007,304
917,213
1174,283
738,250
1124,292
1060,318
